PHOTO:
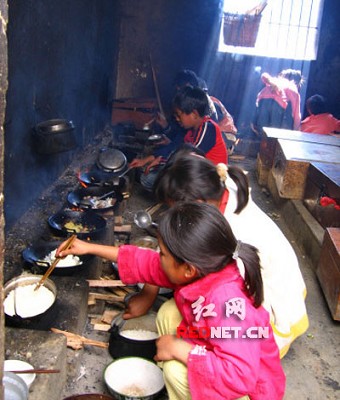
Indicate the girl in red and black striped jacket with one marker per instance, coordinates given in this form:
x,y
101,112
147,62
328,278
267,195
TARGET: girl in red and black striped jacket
x,y
191,110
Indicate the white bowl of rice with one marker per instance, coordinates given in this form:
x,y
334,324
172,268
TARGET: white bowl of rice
x,y
131,378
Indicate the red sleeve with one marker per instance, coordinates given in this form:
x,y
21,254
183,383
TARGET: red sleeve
x,y
140,265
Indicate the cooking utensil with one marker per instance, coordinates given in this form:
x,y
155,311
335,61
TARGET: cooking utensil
x,y
83,223
133,337
35,254
54,136
67,245
143,220
90,202
112,160
38,318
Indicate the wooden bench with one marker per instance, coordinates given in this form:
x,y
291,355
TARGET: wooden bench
x,y
328,270
323,180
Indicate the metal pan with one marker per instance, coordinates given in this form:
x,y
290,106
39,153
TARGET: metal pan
x,y
75,198
36,253
98,177
85,224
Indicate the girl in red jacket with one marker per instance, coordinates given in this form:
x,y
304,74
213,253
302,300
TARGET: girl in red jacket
x,y
216,341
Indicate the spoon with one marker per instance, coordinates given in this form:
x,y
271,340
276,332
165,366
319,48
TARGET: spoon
x,y
143,220
90,202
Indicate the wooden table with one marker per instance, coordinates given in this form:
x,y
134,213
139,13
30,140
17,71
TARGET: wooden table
x,y
291,163
272,135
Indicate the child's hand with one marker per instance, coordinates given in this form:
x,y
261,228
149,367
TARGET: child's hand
x,y
78,248
153,164
140,303
169,347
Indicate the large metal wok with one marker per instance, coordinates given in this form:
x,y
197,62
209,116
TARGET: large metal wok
x,y
85,224
35,254
98,177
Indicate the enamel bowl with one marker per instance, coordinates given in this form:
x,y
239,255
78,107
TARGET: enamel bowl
x,y
131,378
18,365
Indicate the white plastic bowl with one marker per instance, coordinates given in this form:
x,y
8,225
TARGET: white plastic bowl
x,y
134,378
17,365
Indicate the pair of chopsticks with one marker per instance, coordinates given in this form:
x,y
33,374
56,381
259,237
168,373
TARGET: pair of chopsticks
x,y
36,371
55,262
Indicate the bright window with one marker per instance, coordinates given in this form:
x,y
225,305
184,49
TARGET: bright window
x,y
287,29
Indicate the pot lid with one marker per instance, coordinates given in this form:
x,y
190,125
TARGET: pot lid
x,y
112,160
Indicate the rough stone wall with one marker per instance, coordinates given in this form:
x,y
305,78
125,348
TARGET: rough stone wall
x,y
3,88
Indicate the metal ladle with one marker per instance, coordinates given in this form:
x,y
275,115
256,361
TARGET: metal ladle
x,y
143,220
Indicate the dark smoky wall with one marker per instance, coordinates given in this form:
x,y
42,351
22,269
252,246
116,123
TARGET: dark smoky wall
x,y
69,59
325,71
170,35
61,57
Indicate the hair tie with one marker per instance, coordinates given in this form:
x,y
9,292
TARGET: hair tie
x,y
237,249
222,170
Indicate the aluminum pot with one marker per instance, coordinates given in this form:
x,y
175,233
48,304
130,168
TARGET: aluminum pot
x,y
38,321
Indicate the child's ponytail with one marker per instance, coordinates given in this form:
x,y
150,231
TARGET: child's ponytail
x,y
252,277
198,234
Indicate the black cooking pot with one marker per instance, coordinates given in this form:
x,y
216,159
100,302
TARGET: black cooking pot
x,y
54,136
85,224
120,346
35,253
76,197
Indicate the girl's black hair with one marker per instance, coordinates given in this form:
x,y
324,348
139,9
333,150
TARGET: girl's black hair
x,y
316,104
186,77
189,99
190,177
198,234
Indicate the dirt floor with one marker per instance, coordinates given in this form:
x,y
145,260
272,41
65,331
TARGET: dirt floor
x,y
312,363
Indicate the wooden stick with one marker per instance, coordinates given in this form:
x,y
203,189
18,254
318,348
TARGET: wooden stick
x,y
77,342
105,283
36,371
55,262
156,87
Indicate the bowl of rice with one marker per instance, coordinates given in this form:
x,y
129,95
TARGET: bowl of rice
x,y
130,378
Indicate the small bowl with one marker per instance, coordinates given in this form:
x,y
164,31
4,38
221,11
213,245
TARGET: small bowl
x,y
15,387
18,365
131,378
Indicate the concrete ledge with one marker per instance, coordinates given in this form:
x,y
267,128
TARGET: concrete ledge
x,y
42,350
